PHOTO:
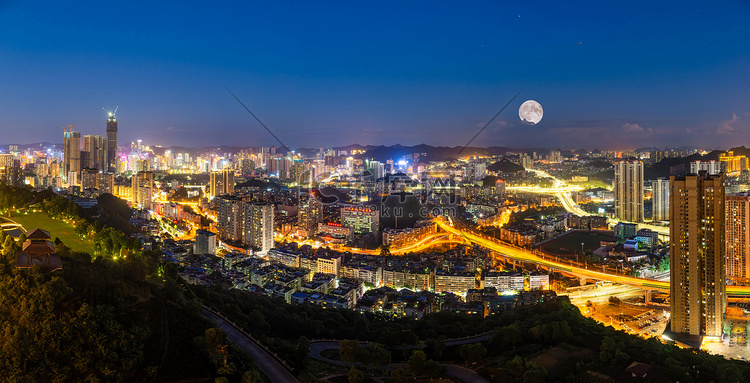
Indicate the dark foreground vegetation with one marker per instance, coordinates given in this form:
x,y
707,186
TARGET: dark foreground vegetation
x,y
103,318
548,341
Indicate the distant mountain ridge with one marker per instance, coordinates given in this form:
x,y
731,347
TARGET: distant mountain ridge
x,y
663,168
426,153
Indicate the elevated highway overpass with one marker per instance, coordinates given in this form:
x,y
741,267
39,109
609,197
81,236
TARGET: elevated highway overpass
x,y
525,255
562,192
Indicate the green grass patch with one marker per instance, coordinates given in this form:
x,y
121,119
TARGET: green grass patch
x,y
57,228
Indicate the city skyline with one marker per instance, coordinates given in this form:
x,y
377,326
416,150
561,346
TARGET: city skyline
x,y
392,191
611,76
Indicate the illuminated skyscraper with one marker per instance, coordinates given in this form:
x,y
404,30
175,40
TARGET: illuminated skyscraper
x,y
310,213
733,165
112,142
243,221
7,160
738,236
247,167
712,167
629,191
105,182
696,239
229,217
660,199
362,219
94,152
205,242
142,185
89,178
258,226
221,182
71,153
376,169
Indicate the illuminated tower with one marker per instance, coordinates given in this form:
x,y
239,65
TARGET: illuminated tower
x,y
221,182
696,240
629,191
142,186
72,153
660,199
257,228
94,152
112,141
309,215
738,236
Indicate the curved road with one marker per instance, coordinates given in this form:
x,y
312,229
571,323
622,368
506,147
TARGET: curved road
x,y
525,255
428,241
271,367
562,192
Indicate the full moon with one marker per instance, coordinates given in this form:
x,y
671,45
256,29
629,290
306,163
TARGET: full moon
x,y
530,112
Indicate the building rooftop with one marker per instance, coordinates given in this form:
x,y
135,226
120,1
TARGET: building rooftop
x,y
38,234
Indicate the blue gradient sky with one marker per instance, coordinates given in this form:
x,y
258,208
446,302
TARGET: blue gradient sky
x,y
608,75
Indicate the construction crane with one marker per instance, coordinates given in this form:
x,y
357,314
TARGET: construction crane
x,y
111,114
68,127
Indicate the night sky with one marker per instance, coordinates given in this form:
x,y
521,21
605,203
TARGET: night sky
x,y
610,76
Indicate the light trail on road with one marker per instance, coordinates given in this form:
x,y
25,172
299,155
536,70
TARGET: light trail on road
x,y
562,192
525,255
427,242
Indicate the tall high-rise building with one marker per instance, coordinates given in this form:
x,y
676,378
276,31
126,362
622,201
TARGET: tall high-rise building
x,y
734,165
310,213
205,242
712,167
526,161
362,219
142,185
7,160
111,143
247,167
629,191
221,182
696,239
376,169
94,155
97,182
12,176
71,153
660,199
89,179
555,156
479,171
105,182
229,217
285,164
300,172
142,165
737,236
243,221
258,226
